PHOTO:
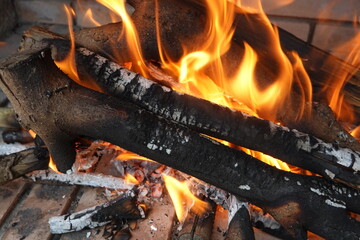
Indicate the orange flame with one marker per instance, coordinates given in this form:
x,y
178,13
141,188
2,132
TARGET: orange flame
x,y
88,17
52,166
124,156
130,179
68,65
337,103
356,133
183,199
130,32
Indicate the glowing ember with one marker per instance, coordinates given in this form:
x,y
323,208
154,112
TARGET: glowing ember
x,y
183,199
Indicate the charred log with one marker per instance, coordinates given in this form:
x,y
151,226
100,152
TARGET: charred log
x,y
291,146
123,207
18,164
297,202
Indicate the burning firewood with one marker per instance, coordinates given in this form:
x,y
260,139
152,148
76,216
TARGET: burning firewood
x,y
104,40
60,111
293,147
17,164
123,207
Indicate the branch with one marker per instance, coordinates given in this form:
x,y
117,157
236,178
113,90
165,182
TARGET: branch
x,y
123,207
17,164
297,202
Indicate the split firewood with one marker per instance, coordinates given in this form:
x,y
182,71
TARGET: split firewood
x,y
240,227
291,146
60,111
105,41
18,164
123,207
83,179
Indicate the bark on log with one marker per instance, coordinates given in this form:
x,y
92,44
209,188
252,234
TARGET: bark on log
x,y
18,164
297,202
291,146
123,207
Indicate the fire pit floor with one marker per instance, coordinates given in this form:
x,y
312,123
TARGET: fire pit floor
x,y
26,207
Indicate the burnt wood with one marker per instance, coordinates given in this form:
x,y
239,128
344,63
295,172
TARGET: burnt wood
x,y
291,146
60,111
17,164
123,207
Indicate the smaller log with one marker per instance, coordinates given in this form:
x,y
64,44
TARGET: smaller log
x,y
83,179
17,164
240,227
123,207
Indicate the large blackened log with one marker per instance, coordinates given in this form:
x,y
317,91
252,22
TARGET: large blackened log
x,y
291,146
60,111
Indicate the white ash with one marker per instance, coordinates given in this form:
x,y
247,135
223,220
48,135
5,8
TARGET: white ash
x,y
330,174
234,206
318,192
257,215
153,228
298,183
244,187
334,204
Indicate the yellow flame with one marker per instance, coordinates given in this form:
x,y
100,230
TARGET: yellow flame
x,y
88,17
337,103
68,65
131,179
124,156
52,165
130,32
203,72
183,199
356,133
32,133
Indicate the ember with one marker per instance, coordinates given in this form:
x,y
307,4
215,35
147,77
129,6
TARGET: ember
x,y
207,88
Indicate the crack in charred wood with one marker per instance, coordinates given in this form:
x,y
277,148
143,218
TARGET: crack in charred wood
x,y
81,112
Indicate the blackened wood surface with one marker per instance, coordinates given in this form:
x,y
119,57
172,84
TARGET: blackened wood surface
x,y
294,147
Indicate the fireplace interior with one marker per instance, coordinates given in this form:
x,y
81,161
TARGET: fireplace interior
x,y
28,202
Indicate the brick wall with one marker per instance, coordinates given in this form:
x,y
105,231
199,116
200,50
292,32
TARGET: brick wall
x,y
324,23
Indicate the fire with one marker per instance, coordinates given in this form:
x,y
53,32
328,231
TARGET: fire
x,y
131,179
129,31
68,65
124,156
183,199
52,164
334,87
89,17
356,133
